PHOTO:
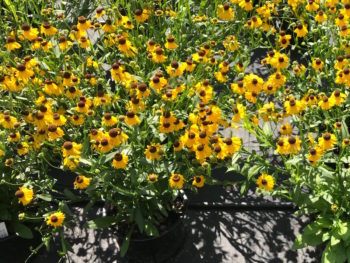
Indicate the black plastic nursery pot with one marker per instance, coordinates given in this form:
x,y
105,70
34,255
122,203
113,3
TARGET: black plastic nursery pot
x,y
158,249
163,247
14,249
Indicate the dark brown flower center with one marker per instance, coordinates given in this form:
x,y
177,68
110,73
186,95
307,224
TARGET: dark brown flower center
x,y
326,136
19,194
52,128
79,179
292,140
68,145
130,114
152,149
118,157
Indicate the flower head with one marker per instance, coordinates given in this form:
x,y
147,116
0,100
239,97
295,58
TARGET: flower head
x,y
55,219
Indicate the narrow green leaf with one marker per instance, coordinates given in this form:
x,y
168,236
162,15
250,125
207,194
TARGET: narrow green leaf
x,y
139,219
150,229
125,246
101,222
45,197
22,230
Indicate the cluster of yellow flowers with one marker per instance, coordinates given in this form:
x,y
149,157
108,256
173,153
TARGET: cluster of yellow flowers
x,y
167,100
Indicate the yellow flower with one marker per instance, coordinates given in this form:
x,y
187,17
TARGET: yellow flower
x,y
14,137
315,154
254,22
108,27
239,112
178,146
141,15
12,44
317,64
71,149
58,120
301,30
220,150
22,148
345,143
170,43
55,219
202,151
84,42
158,55
230,43
77,120
292,106
233,145
174,69
325,103
152,151
109,120
284,39
286,129
54,132
120,161
279,61
321,17
47,29
81,182
265,182
176,181
245,4
83,24
24,195
238,87
29,33
198,181
152,178
125,46
23,72
64,43
337,98
293,144
327,141
99,12
282,146
131,118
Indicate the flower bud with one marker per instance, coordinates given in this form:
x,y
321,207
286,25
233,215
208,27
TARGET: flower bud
x,y
205,165
21,216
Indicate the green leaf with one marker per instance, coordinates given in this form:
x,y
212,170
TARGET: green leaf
x,y
294,161
267,130
343,231
312,236
126,242
151,229
101,222
12,8
22,230
253,171
45,197
334,254
70,195
139,219
348,253
85,161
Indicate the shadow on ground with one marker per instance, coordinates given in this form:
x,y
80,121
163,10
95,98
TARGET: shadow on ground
x,y
212,237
